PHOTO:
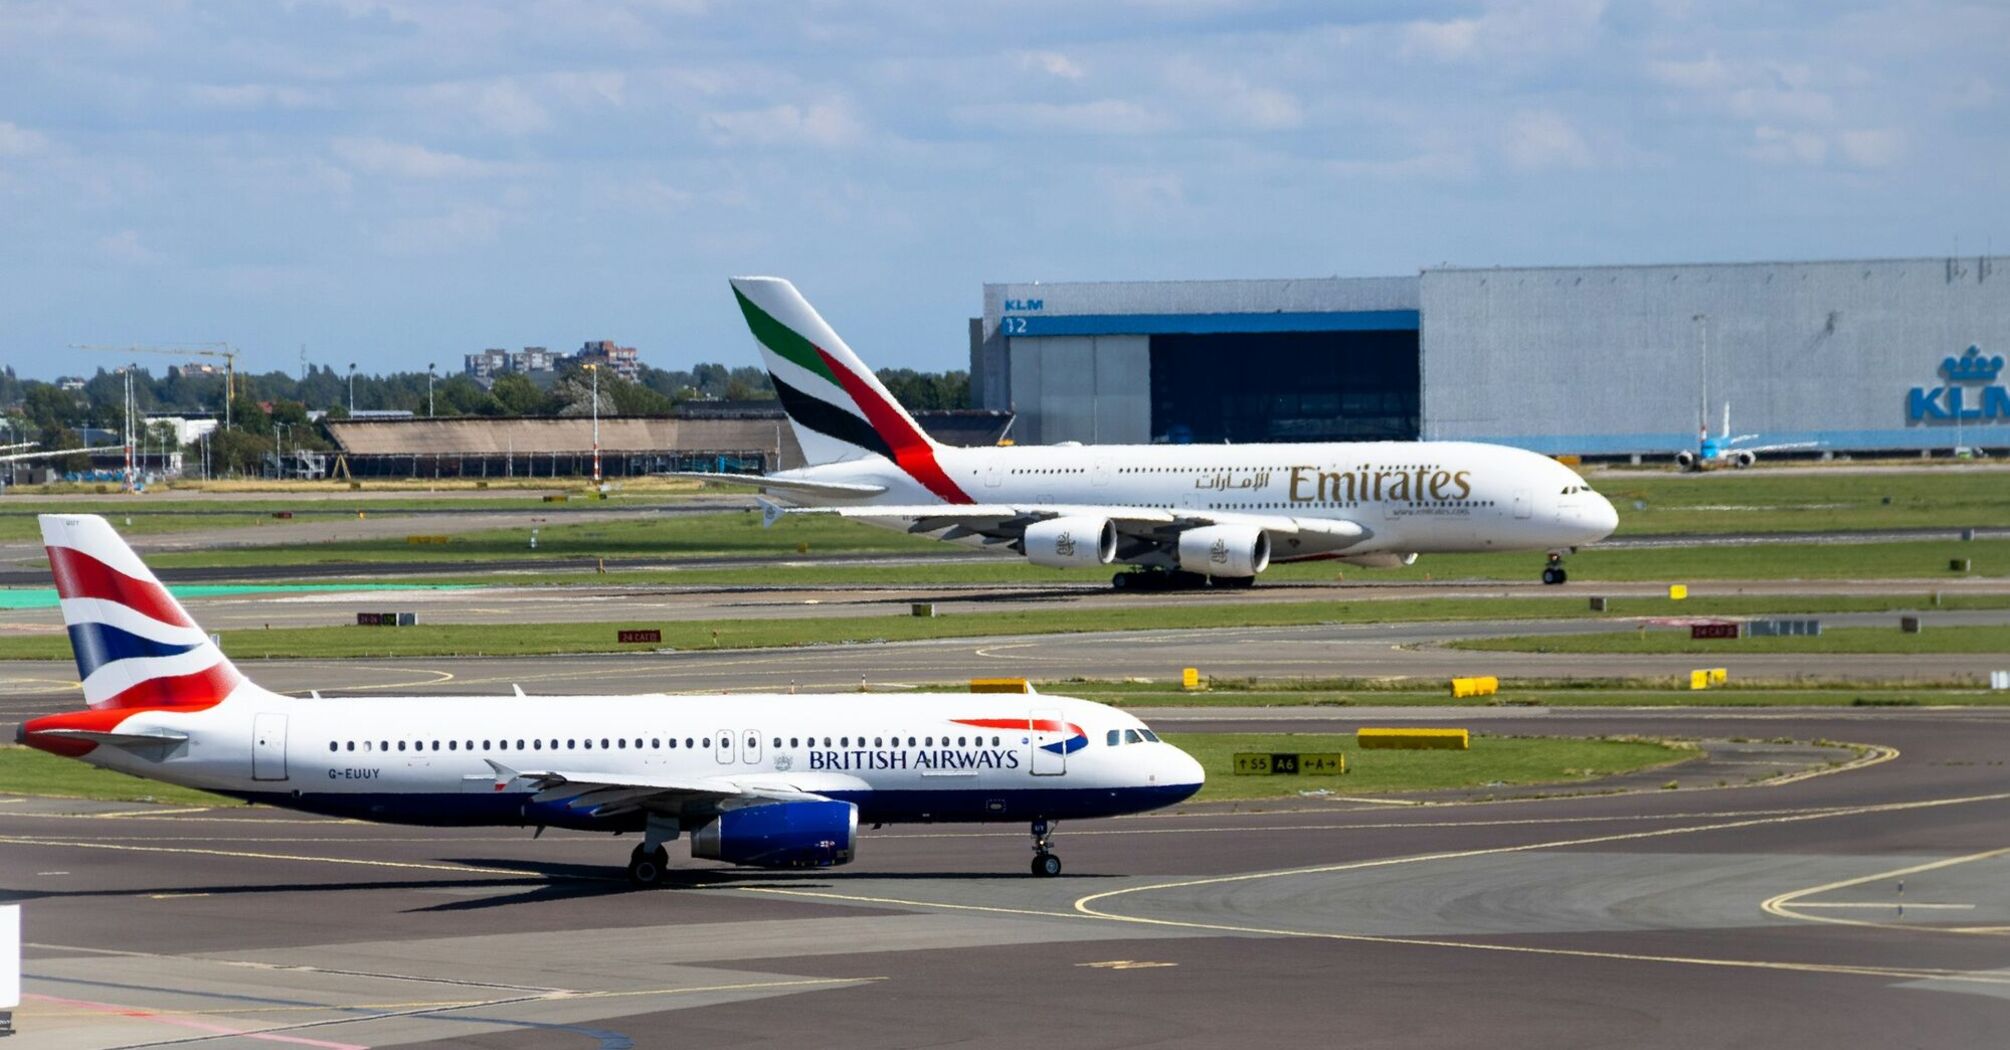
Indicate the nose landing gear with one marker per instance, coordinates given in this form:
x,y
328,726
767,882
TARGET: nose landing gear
x,y
1045,864
1552,573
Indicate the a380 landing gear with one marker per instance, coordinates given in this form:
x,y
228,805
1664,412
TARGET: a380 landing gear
x,y
1045,864
1174,580
1552,573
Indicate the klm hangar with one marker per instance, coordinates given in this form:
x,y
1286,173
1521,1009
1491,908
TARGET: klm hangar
x,y
1845,356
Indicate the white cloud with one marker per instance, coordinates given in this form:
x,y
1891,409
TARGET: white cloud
x,y
1779,146
257,96
126,249
1708,73
466,226
829,124
17,141
1052,63
1538,139
1517,31
1105,116
374,156
1236,100
1872,147
1444,41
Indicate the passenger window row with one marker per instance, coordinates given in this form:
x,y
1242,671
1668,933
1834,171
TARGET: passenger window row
x,y
640,743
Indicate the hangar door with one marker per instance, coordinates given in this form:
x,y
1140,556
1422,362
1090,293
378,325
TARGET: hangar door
x,y
1285,386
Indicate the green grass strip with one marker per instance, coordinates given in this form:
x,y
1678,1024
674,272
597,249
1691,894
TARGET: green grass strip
x,y
1491,760
1955,639
549,638
26,771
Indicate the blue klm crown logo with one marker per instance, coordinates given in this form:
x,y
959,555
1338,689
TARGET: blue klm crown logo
x,y
1972,367
1954,402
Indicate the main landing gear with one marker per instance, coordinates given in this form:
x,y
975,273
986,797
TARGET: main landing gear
x,y
1552,573
649,862
1174,580
1045,864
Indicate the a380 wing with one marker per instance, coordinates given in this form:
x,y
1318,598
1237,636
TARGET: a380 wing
x,y
1003,522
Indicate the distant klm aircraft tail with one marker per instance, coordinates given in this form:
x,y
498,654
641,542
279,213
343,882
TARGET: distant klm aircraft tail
x,y
838,408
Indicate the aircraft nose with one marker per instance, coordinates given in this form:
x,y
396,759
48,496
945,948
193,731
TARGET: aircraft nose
x,y
1601,518
1182,769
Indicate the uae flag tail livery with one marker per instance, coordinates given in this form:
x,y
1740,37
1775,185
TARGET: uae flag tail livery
x,y
137,649
838,408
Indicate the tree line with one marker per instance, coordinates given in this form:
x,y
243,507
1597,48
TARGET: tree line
x,y
273,411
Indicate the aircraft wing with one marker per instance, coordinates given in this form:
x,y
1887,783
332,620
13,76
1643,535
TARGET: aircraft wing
x,y
1004,522
600,794
762,481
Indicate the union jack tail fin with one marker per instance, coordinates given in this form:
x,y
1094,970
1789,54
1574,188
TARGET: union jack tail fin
x,y
837,407
136,647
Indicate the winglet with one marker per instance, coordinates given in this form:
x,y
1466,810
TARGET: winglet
x,y
771,511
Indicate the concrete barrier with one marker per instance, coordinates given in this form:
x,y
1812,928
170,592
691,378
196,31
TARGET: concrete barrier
x,y
1468,687
1412,739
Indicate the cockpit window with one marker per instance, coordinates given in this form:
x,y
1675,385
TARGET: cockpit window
x,y
1111,739
1131,737
1149,735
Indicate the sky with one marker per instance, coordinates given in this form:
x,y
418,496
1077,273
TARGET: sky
x,y
393,183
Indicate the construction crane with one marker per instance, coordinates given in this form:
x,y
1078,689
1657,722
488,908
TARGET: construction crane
x,y
223,350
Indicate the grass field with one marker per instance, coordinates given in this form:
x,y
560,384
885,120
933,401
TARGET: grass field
x,y
26,771
1643,692
1506,761
1762,501
1957,639
545,638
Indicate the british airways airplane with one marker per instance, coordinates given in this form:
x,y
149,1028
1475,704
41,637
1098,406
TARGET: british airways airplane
x,y
762,780
1184,515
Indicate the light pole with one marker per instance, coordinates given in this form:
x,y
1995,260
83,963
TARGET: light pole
x,y
595,369
127,373
281,454
352,390
429,390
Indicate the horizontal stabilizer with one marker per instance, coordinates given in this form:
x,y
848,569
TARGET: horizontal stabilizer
x,y
144,738
814,488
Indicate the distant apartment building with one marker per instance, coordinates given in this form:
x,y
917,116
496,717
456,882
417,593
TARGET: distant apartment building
x,y
193,369
623,361
484,367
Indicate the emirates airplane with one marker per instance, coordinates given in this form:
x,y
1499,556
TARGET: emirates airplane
x,y
766,781
1184,514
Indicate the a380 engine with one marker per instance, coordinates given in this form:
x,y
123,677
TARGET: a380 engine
x,y
1071,543
1224,550
781,835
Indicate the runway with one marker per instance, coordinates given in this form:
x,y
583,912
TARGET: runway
x,y
1754,916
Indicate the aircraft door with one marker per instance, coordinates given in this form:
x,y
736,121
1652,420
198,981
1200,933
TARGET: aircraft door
x,y
1050,744
268,747
723,747
750,750
993,477
1099,473
1522,507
